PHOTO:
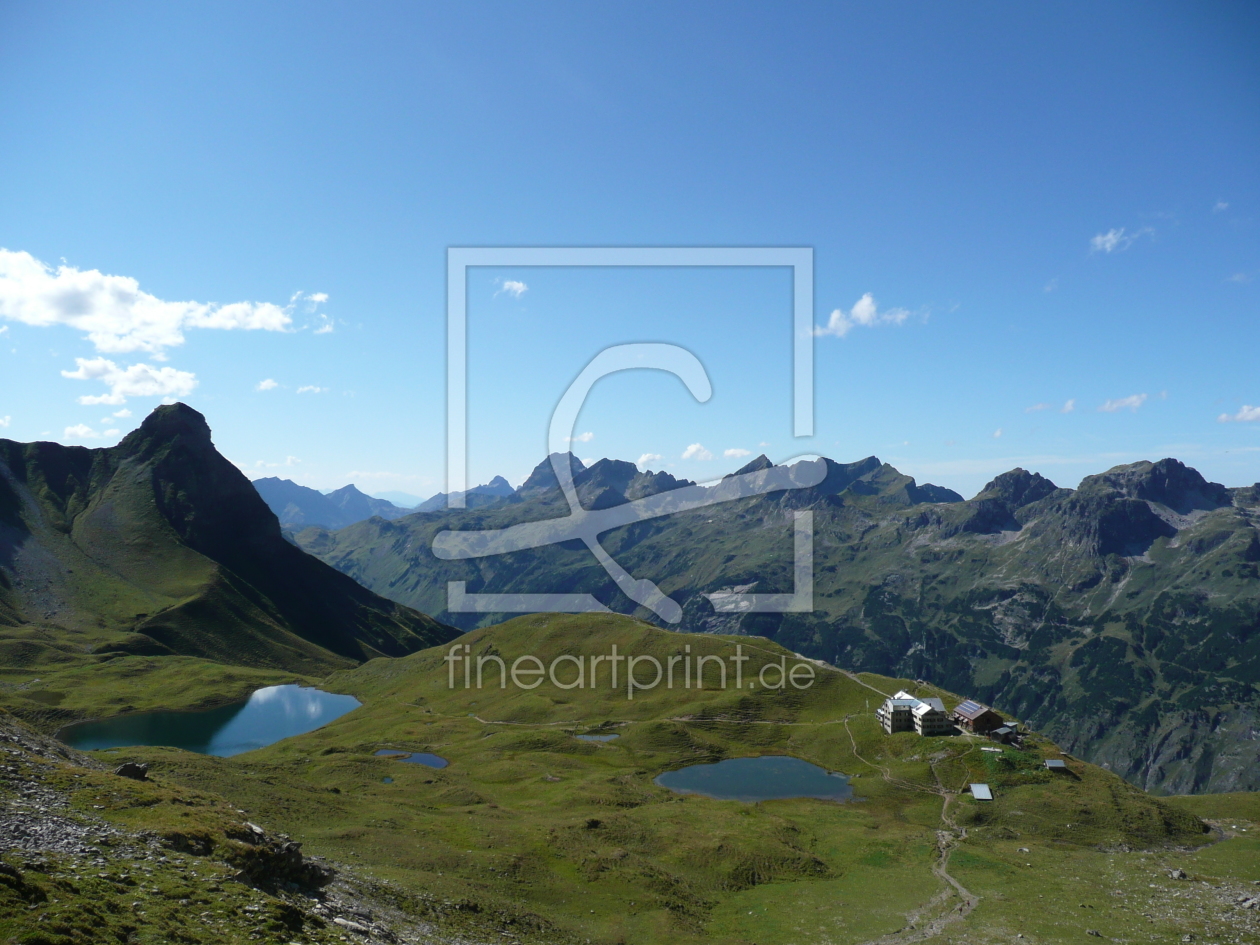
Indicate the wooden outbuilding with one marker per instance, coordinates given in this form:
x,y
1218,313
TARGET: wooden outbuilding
x,y
973,717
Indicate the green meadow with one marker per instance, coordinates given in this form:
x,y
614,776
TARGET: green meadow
x,y
534,834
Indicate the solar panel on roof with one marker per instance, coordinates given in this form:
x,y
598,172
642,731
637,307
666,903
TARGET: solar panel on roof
x,y
981,792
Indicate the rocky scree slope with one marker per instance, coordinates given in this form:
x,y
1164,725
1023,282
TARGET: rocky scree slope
x,y
87,855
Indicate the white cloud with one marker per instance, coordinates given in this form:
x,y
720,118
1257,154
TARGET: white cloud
x,y
581,438
1248,414
1068,407
268,384
763,443
696,451
81,431
997,434
317,297
1220,206
3,329
1240,277
312,389
648,458
121,414
1118,240
1035,407
5,421
865,313
263,464
513,288
736,453
1133,401
1051,285
137,380
114,313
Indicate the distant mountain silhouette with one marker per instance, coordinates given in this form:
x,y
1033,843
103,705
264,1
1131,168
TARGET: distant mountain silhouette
x,y
298,506
477,496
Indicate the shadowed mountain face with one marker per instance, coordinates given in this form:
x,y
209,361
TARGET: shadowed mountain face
x,y
297,506
160,546
1122,618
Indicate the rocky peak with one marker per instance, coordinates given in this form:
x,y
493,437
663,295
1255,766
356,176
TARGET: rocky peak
x,y
496,486
650,483
171,420
1169,482
756,465
1018,488
543,478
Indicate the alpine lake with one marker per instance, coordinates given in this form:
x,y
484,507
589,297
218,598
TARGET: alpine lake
x,y
764,778
266,717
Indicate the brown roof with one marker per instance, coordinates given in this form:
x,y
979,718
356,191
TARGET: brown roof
x,y
971,710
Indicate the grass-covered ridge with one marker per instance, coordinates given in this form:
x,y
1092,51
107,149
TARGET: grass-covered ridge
x,y
556,839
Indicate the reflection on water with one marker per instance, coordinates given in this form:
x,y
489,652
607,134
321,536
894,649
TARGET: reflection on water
x,y
268,715
770,777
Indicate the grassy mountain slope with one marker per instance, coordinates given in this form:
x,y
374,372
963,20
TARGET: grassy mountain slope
x,y
157,552
534,836
1122,618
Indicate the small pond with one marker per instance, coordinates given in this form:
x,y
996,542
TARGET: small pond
x,y
414,757
768,778
268,715
597,738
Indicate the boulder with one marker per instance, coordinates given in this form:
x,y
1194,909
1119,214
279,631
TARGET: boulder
x,y
137,772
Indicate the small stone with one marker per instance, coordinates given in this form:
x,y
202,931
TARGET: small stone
x,y
1093,932
1022,850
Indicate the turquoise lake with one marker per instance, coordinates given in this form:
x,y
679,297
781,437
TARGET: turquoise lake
x,y
268,715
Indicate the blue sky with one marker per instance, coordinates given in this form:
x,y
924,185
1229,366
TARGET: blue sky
x,y
1046,206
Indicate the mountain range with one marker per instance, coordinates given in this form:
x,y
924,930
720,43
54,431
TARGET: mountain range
x,y
1122,618
298,506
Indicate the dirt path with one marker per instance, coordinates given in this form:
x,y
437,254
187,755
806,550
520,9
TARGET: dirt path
x,y
946,839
